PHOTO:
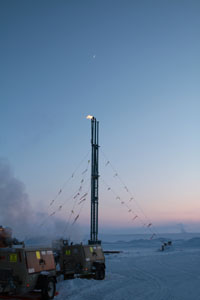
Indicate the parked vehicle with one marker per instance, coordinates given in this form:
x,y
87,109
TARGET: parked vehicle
x,y
81,260
23,270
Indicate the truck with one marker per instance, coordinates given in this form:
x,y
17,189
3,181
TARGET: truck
x,y
25,269
78,259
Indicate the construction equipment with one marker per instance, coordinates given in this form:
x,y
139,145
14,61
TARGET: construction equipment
x,y
23,270
80,260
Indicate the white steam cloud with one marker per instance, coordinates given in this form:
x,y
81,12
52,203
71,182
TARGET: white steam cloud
x,y
16,211
15,208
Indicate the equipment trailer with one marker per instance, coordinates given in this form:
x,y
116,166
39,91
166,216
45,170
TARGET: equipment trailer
x,y
80,260
23,270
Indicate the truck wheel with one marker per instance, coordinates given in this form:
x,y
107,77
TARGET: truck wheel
x,y
100,273
49,289
68,276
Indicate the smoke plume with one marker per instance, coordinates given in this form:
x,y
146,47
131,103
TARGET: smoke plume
x,y
16,211
15,208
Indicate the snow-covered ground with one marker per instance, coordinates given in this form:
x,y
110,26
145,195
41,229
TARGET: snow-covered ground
x,y
141,272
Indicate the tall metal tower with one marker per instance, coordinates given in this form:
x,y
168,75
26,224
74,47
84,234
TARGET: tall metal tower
x,y
94,181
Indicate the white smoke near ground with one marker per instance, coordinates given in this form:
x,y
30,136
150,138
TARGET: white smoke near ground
x,y
16,211
15,208
46,228
181,228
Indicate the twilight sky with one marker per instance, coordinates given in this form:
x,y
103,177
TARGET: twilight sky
x,y
135,66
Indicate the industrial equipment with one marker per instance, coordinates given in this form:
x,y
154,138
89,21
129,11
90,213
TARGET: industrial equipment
x,y
80,260
23,270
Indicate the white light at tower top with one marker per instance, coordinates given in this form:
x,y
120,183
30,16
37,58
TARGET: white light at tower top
x,y
89,117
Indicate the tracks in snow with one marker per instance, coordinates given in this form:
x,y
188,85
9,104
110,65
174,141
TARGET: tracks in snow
x,y
125,280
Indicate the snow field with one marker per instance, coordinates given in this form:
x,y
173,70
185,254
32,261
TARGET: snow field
x,y
141,272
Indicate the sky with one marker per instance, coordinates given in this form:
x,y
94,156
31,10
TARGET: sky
x,y
135,66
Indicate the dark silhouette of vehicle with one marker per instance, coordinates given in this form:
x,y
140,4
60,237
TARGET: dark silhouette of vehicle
x,y
81,260
23,270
